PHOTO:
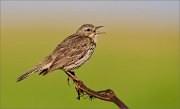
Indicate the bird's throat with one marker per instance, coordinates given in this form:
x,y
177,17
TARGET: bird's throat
x,y
94,37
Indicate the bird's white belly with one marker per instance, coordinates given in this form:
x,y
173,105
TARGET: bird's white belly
x,y
80,61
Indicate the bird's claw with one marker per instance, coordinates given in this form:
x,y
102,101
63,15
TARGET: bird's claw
x,y
90,97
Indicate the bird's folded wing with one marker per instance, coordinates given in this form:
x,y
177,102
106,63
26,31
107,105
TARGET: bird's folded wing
x,y
69,54
60,62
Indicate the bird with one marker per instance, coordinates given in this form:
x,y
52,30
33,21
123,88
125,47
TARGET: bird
x,y
70,54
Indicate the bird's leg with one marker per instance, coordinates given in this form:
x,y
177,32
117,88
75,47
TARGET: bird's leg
x,y
73,73
68,81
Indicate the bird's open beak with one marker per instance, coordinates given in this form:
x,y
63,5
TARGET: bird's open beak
x,y
97,27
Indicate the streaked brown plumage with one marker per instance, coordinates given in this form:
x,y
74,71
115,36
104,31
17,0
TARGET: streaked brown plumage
x,y
71,53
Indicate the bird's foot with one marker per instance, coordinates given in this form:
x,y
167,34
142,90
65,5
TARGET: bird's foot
x,y
79,92
91,97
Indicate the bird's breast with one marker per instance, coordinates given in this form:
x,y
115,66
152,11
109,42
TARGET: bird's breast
x,y
81,61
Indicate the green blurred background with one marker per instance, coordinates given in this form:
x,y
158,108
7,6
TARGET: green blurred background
x,y
138,57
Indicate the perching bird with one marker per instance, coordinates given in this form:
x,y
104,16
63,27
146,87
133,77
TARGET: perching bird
x,y
70,54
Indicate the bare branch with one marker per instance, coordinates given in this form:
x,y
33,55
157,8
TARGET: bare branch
x,y
106,95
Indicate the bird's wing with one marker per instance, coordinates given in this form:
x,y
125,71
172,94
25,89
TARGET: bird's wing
x,y
70,50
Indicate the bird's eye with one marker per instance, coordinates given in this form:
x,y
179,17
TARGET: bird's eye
x,y
88,29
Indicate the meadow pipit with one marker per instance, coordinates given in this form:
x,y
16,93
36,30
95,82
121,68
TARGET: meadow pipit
x,y
70,54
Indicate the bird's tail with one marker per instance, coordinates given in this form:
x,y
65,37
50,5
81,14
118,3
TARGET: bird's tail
x,y
33,70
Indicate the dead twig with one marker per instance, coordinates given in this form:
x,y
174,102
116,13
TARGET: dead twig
x,y
107,95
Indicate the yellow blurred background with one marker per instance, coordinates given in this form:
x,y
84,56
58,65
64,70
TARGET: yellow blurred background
x,y
138,57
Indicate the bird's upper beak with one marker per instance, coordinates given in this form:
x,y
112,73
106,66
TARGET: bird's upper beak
x,y
97,27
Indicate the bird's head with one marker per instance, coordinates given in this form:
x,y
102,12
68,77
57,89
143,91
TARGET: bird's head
x,y
89,30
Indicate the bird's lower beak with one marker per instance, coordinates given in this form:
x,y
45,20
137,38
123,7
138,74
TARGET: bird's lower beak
x,y
97,27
